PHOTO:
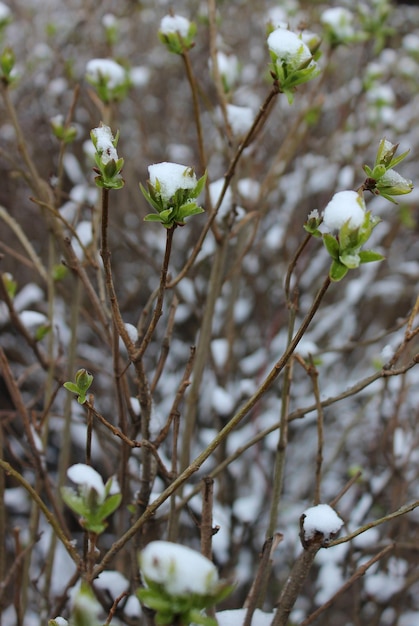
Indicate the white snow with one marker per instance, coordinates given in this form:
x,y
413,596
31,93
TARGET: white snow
x,y
104,143
139,75
175,24
171,176
113,582
321,519
219,349
340,20
180,569
31,319
108,69
87,477
215,190
344,206
222,401
5,12
240,118
132,607
236,617
289,48
132,331
228,67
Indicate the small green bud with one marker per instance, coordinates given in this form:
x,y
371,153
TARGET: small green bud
x,y
7,63
83,379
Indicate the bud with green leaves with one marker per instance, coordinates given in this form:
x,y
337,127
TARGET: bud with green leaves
x,y
171,191
292,61
110,79
180,584
177,33
62,131
7,64
383,179
93,501
108,164
82,384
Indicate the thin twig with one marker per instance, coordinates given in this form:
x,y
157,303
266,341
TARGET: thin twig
x,y
387,518
359,572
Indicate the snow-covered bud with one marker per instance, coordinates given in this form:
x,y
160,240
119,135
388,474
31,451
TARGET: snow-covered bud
x,y
350,226
292,61
171,191
338,23
345,207
108,164
319,524
180,582
63,132
177,33
109,78
93,501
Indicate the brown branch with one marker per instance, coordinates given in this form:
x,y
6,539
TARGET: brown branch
x,y
359,572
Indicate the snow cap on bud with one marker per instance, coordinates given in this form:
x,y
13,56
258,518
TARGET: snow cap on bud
x,y
345,206
177,33
180,570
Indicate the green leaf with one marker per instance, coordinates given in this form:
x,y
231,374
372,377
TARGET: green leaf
x,y
369,256
74,501
337,271
332,245
110,505
153,217
350,258
71,387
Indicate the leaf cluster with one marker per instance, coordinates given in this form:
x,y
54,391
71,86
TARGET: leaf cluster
x,y
172,212
288,76
345,249
182,610
93,511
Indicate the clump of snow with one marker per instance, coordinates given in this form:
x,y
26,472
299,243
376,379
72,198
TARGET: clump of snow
x,y
88,478
236,617
109,20
5,13
289,48
343,207
228,67
321,519
340,21
113,582
104,143
108,69
222,401
240,118
175,24
171,177
132,607
139,75
59,621
219,349
179,569
215,189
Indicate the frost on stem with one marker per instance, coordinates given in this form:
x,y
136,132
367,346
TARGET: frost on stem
x,y
319,523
